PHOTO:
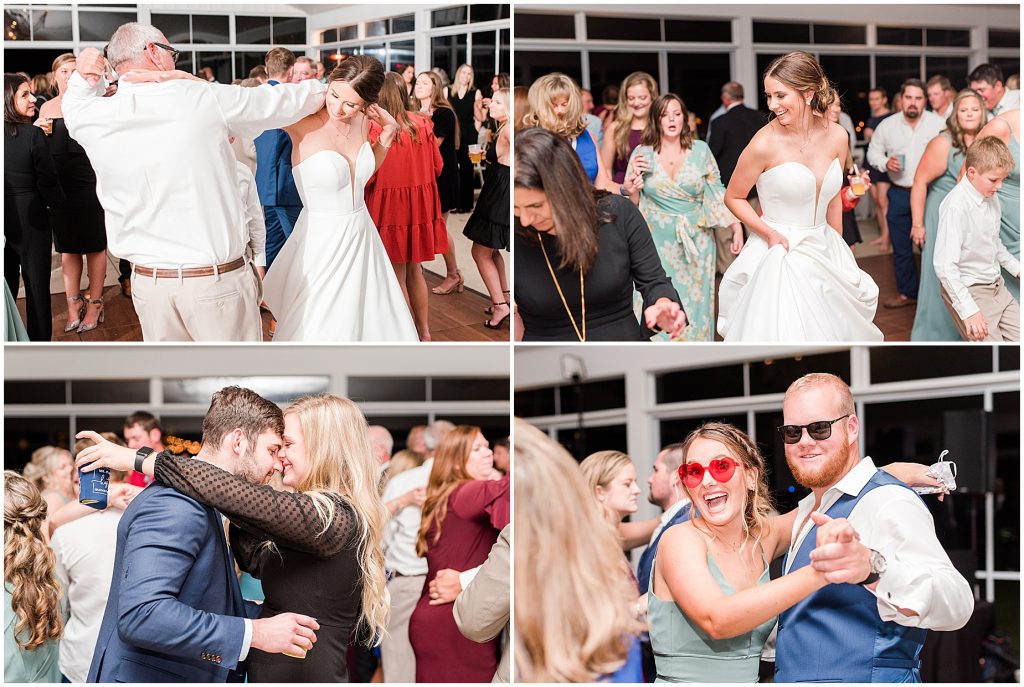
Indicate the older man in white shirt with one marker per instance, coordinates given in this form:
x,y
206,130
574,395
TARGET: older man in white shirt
x,y
896,147
167,181
987,80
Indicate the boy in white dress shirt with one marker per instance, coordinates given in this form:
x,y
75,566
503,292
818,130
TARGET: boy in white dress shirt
x,y
968,252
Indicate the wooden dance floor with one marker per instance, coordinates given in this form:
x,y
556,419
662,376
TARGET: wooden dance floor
x,y
458,317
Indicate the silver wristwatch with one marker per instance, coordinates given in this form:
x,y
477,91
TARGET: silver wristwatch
x,y
878,566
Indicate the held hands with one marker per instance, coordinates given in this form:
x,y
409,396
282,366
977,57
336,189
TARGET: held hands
x,y
286,633
977,327
120,495
666,316
445,587
839,553
91,64
777,239
104,454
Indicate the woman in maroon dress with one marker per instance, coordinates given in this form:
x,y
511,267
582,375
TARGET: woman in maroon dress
x,y
403,201
462,516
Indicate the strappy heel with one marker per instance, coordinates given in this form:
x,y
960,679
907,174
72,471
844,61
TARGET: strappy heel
x,y
89,327
72,325
457,287
489,310
497,325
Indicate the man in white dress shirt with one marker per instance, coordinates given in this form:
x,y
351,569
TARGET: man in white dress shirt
x,y
896,557
896,147
167,181
941,95
987,80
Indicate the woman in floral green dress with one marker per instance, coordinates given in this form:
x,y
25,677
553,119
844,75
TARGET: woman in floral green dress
x,y
680,194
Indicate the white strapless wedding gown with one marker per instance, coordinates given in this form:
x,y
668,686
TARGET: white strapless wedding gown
x,y
332,280
813,292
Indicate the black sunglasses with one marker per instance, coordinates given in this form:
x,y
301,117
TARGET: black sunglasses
x,y
174,53
819,431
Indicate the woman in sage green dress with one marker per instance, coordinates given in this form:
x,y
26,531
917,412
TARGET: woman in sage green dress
x,y
935,177
1006,127
708,623
681,196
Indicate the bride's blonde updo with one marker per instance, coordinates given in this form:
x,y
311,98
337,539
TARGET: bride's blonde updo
x,y
363,73
800,71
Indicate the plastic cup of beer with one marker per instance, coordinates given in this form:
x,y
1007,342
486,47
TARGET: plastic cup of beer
x,y
476,153
45,124
857,182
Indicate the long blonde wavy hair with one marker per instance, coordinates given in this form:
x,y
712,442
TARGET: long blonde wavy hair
x,y
448,472
341,461
29,565
575,596
757,502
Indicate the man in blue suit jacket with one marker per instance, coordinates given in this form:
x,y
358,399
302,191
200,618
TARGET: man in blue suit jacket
x,y
667,492
175,612
274,181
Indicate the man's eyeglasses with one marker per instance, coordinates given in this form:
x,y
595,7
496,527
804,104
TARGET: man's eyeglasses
x,y
819,431
174,53
722,469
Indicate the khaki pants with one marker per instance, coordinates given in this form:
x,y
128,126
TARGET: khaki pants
x,y
396,652
997,305
224,307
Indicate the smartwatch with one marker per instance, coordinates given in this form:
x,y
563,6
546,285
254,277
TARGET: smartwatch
x,y
141,456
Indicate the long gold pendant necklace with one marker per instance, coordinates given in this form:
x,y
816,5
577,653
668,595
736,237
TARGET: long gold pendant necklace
x,y
565,304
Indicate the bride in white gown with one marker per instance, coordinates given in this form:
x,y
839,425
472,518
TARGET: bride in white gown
x,y
796,279
332,280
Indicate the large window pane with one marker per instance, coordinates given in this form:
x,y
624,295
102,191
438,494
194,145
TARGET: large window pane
x,y
840,34
900,363
52,25
252,30
185,427
531,65
175,27
479,12
1006,413
960,38
1003,38
1009,357
448,52
402,53
403,24
697,78
23,435
898,35
106,391
1009,65
850,74
100,26
954,68
697,30
329,36
580,443
245,61
774,375
699,384
398,425
277,389
535,402
672,431
469,388
210,28
451,16
289,30
785,490
376,28
16,393
781,32
483,58
493,427
623,29
609,67
31,60
600,395
387,389
892,70
529,25
376,50
504,51
18,25
220,63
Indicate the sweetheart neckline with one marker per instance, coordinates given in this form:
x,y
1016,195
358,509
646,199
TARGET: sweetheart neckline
x,y
817,186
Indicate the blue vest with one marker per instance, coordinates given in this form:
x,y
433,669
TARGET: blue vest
x,y
586,149
835,634
643,568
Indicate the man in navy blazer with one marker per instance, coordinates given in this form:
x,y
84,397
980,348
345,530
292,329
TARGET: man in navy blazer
x,y
175,612
666,491
274,181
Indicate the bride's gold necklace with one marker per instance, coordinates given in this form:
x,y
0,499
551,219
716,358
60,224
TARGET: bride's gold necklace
x,y
565,304
337,131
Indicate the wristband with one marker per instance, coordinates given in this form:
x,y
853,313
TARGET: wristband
x,y
622,191
140,457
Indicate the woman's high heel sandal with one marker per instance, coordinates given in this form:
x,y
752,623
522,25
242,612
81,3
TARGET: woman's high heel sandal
x,y
89,327
489,310
457,287
497,325
74,324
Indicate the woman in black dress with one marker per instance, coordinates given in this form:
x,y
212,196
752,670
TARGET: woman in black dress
x,y
464,96
580,252
487,227
317,549
78,228
30,184
429,92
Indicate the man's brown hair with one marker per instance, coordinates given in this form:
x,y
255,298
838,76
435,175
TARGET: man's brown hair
x,y
234,407
147,421
279,61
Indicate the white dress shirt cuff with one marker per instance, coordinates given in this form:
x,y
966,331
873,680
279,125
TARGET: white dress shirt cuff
x,y
466,576
246,639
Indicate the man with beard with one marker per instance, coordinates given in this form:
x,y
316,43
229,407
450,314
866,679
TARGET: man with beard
x,y
896,147
175,612
900,582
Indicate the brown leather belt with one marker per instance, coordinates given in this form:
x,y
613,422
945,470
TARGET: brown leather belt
x,y
169,273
